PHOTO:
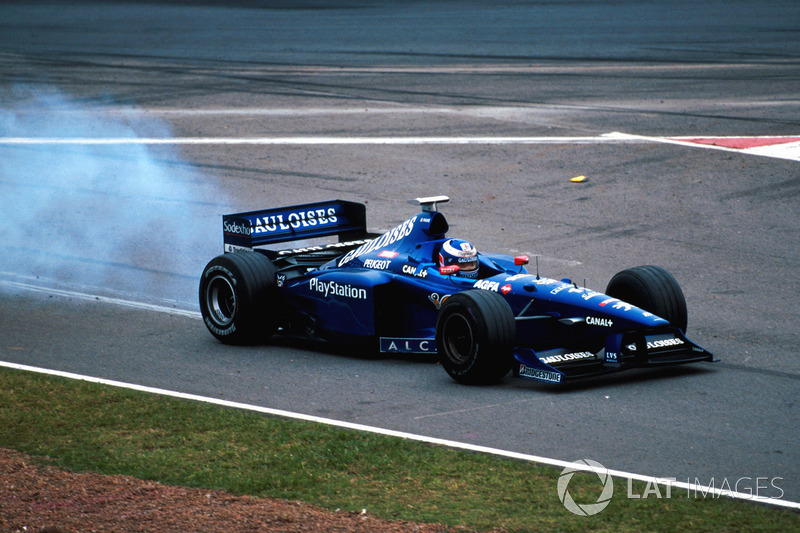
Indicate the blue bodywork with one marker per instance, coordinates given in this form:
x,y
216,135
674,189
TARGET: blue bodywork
x,y
387,290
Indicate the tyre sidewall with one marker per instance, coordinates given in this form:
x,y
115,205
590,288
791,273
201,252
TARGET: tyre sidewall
x,y
219,327
251,276
459,307
494,333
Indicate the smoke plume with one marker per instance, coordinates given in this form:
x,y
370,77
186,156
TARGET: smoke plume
x,y
116,216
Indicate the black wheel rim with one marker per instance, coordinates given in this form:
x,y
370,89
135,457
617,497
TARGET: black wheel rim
x,y
459,339
221,300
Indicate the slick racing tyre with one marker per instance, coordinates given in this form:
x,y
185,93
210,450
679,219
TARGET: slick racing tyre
x,y
239,298
475,336
653,289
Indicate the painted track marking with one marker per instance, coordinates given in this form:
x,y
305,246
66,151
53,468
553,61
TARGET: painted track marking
x,y
311,140
781,147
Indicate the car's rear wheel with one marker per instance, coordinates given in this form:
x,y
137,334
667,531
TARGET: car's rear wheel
x,y
653,289
239,298
475,336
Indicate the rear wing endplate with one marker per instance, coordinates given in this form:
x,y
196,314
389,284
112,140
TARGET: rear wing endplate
x,y
348,220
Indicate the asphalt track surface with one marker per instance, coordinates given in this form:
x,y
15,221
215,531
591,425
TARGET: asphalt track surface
x,y
495,104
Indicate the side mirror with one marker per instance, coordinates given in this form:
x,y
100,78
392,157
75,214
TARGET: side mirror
x,y
521,260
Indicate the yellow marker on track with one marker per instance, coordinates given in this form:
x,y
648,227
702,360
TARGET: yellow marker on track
x,y
579,179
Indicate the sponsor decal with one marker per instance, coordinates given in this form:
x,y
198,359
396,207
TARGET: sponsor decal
x,y
515,277
236,229
232,248
213,327
559,289
505,289
611,357
295,220
377,264
280,279
334,288
449,270
487,285
404,345
318,248
437,300
534,280
302,250
390,237
597,321
462,250
388,254
541,375
618,305
568,357
659,344
586,294
419,272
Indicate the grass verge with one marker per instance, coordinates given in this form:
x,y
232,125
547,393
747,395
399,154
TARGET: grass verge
x,y
88,427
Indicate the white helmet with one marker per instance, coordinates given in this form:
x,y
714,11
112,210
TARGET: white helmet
x,y
462,254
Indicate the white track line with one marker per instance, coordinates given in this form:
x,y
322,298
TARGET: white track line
x,y
790,151
691,488
311,140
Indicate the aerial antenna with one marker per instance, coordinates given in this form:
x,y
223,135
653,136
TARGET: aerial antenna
x,y
537,266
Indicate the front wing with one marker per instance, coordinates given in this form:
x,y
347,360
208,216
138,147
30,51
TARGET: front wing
x,y
622,351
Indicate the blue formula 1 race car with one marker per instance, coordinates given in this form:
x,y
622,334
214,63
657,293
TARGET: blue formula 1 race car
x,y
414,290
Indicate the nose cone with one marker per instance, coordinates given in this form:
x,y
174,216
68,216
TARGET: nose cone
x,y
600,309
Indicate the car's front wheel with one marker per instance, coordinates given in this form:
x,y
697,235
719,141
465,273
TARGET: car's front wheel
x,y
653,289
475,336
239,298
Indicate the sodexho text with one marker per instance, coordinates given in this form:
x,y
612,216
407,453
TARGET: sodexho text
x,y
233,227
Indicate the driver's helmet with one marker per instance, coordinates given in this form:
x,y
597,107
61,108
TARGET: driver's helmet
x,y
461,253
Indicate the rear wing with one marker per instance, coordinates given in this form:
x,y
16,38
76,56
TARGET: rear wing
x,y
244,231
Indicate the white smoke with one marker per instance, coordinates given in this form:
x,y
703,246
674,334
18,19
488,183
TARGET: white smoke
x,y
117,216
